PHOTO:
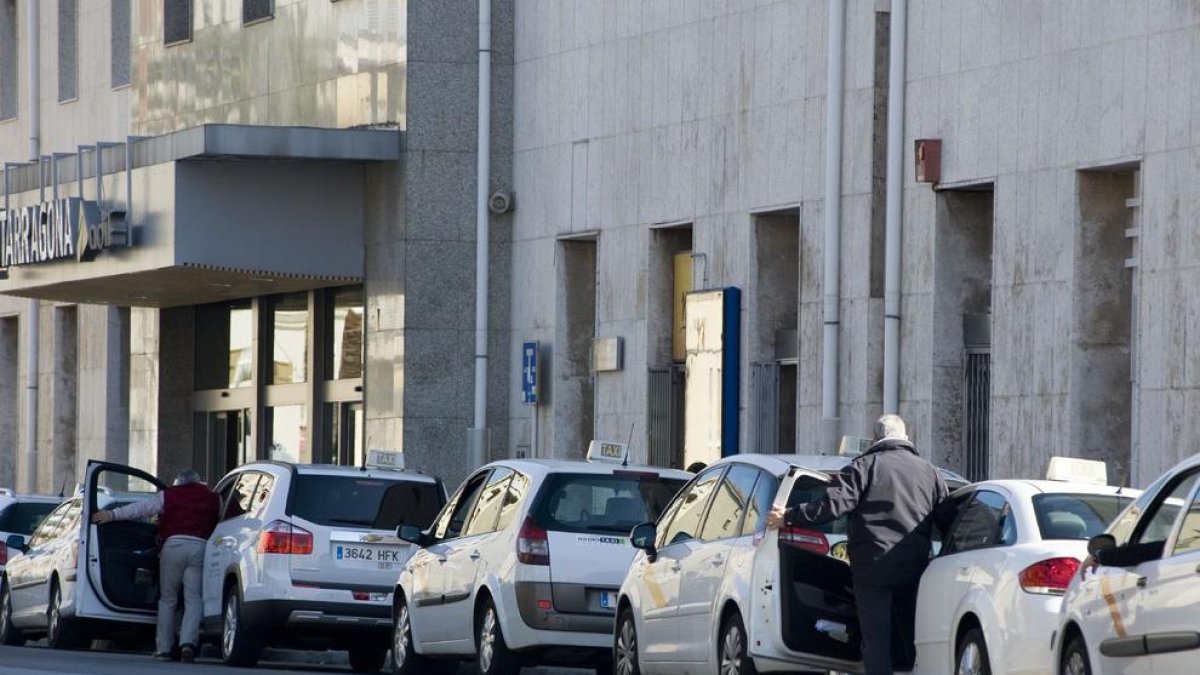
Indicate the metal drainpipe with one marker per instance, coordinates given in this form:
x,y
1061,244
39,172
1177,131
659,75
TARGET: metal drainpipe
x,y
479,435
34,312
834,95
897,46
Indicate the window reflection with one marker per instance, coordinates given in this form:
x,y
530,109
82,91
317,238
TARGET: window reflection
x,y
289,431
347,348
224,345
289,325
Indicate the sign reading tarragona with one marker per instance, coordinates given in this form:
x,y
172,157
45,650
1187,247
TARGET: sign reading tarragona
x,y
58,230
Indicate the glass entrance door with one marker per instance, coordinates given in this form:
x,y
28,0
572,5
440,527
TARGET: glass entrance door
x,y
229,442
346,425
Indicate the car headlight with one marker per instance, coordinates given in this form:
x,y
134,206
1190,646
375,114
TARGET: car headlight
x,y
840,551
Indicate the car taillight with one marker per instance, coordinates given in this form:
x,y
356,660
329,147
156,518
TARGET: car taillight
x,y
280,536
808,540
1049,577
533,544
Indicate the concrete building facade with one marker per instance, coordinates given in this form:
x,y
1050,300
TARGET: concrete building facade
x,y
655,150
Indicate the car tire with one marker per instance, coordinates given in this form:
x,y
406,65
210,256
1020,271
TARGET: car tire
x,y
61,632
733,657
367,658
625,646
1075,658
971,657
405,659
10,635
493,654
239,645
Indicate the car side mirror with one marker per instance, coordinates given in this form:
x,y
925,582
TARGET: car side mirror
x,y
412,534
1101,542
16,542
643,537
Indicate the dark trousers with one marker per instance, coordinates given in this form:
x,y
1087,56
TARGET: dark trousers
x,y
887,618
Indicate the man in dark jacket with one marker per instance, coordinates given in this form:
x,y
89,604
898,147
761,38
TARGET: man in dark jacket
x,y
187,514
890,494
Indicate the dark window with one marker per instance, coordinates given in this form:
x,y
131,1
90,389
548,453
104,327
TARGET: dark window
x,y
724,517
177,21
1122,527
686,523
120,43
8,59
609,503
375,503
985,522
24,517
68,42
224,345
1068,516
1156,525
760,504
487,508
450,524
257,10
807,489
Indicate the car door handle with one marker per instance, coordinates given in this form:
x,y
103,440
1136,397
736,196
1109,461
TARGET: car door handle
x,y
475,555
441,559
675,567
718,561
227,542
1197,569
1141,582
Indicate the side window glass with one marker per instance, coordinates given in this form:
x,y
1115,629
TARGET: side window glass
x,y
760,504
70,521
240,497
1156,525
980,524
686,523
1189,532
724,517
450,525
487,508
517,489
262,494
46,531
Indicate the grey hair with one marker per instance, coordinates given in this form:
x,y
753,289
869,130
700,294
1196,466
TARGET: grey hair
x,y
890,426
187,476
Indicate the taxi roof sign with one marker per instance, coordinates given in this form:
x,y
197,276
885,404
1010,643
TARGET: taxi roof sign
x,y
385,459
1075,470
604,451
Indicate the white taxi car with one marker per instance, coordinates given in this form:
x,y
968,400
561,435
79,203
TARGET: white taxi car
x,y
20,515
523,564
306,556
1139,610
76,580
990,599
714,591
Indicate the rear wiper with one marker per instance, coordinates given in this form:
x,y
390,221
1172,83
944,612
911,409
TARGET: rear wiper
x,y
353,521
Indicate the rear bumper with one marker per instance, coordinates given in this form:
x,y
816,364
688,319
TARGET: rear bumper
x,y
573,596
283,620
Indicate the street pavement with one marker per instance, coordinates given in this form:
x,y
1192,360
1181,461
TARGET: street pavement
x,y
41,660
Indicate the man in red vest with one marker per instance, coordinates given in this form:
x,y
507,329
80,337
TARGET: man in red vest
x,y
187,514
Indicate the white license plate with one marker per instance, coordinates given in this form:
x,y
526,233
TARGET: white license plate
x,y
373,557
608,600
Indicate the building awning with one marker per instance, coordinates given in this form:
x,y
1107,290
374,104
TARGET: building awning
x,y
217,212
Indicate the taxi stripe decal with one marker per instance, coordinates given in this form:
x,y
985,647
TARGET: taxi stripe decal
x,y
1113,610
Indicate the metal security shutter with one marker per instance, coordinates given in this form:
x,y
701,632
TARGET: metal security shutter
x,y
976,404
666,416
764,408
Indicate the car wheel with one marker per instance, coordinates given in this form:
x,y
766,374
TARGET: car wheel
x,y
61,632
405,659
239,646
494,656
732,655
10,635
973,655
1075,658
625,646
367,658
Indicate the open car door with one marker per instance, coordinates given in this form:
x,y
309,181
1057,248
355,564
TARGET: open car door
x,y
804,610
121,575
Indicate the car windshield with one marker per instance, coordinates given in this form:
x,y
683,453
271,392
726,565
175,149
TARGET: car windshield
x,y
365,502
24,517
609,503
1076,516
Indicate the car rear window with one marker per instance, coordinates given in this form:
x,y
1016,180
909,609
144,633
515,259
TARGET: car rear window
x,y
610,503
24,517
376,503
1073,516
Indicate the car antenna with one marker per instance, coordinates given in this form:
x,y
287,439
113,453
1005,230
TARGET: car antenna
x,y
62,491
625,462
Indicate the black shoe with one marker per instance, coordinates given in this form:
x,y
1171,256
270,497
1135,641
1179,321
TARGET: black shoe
x,y
187,653
162,656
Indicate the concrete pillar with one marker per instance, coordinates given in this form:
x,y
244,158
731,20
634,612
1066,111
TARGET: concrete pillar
x,y
177,444
103,431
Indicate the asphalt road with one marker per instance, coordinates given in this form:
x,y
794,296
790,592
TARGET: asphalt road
x,y
40,660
